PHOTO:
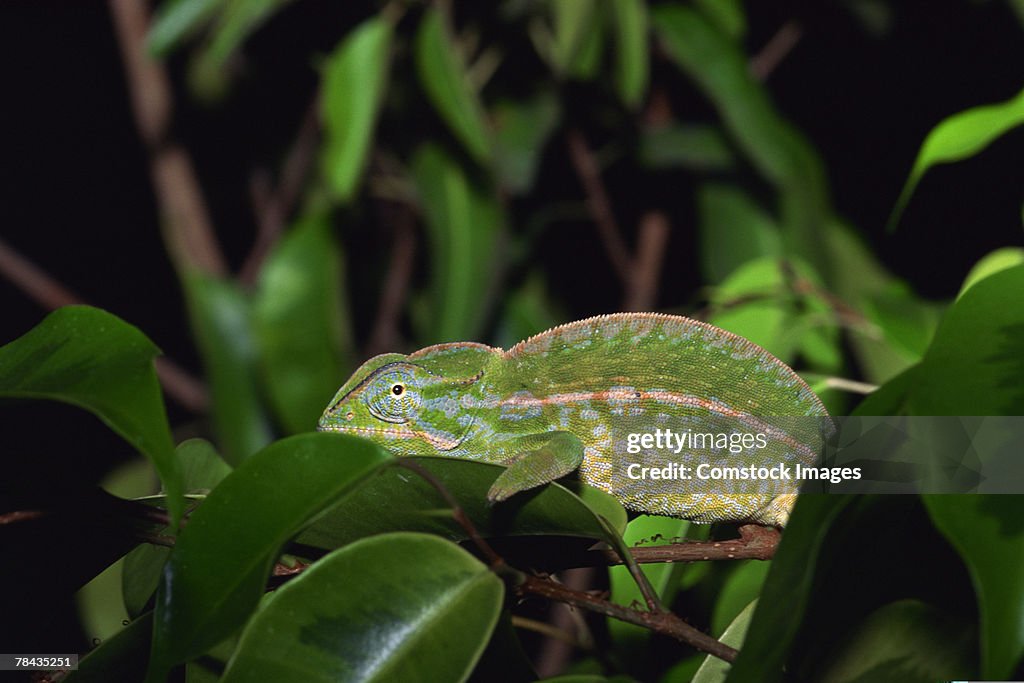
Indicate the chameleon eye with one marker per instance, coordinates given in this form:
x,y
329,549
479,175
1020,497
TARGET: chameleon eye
x,y
398,389
393,399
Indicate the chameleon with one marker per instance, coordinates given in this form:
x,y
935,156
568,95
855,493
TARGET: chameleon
x,y
580,397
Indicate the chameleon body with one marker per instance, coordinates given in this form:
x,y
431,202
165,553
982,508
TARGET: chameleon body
x,y
569,399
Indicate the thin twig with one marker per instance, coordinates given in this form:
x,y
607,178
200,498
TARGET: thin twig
x,y
665,623
642,293
188,231
755,543
556,651
384,336
45,290
599,205
775,50
273,208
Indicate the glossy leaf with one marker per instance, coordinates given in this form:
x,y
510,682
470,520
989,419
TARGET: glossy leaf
x,y
96,361
443,77
424,613
222,324
991,263
521,129
176,19
301,324
122,657
397,499
959,137
632,61
988,532
464,224
355,78
222,557
906,640
714,670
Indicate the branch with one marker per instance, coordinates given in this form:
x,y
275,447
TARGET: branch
x,y
188,232
755,543
642,293
775,50
384,336
665,623
45,290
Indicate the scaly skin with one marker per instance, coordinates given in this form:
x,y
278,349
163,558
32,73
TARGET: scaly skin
x,y
568,397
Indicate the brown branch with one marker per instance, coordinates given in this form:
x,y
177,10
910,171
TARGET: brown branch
x,y
665,623
755,543
273,208
775,50
642,293
599,206
384,336
45,290
555,651
187,229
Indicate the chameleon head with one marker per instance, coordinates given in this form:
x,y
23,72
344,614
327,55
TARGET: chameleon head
x,y
398,404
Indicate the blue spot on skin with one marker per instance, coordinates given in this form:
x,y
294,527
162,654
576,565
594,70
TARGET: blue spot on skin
x,y
589,414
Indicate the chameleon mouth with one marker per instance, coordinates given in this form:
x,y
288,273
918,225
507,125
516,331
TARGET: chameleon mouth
x,y
441,443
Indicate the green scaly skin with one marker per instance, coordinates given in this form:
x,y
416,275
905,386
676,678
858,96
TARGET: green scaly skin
x,y
567,398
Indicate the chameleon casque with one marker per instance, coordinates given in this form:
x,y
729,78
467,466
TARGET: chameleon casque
x,y
569,398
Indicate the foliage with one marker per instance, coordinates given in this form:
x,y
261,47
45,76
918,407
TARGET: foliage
x,y
392,585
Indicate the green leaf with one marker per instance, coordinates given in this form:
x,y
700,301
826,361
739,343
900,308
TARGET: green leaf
x,y
727,14
991,263
685,145
988,534
787,589
176,19
367,613
714,670
632,52
221,321
301,324
528,311
221,560
464,224
733,230
238,19
960,137
572,22
202,468
399,500
96,361
122,657
355,77
522,127
742,586
443,76
905,641
753,302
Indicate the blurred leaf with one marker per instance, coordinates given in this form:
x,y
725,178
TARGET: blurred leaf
x,y
222,325
907,322
521,129
714,670
355,77
528,311
301,324
664,578
586,62
122,657
753,302
464,224
686,145
237,20
733,230
397,499
222,558
988,532
632,53
201,465
574,22
728,15
787,589
174,20
904,641
780,153
959,137
96,361
991,263
741,587
427,620
443,76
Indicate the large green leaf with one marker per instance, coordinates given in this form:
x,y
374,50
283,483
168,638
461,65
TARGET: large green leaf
x,y
464,225
354,80
301,324
396,499
959,137
221,560
988,532
94,360
443,76
787,589
222,323
399,607
122,657
632,53
906,641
